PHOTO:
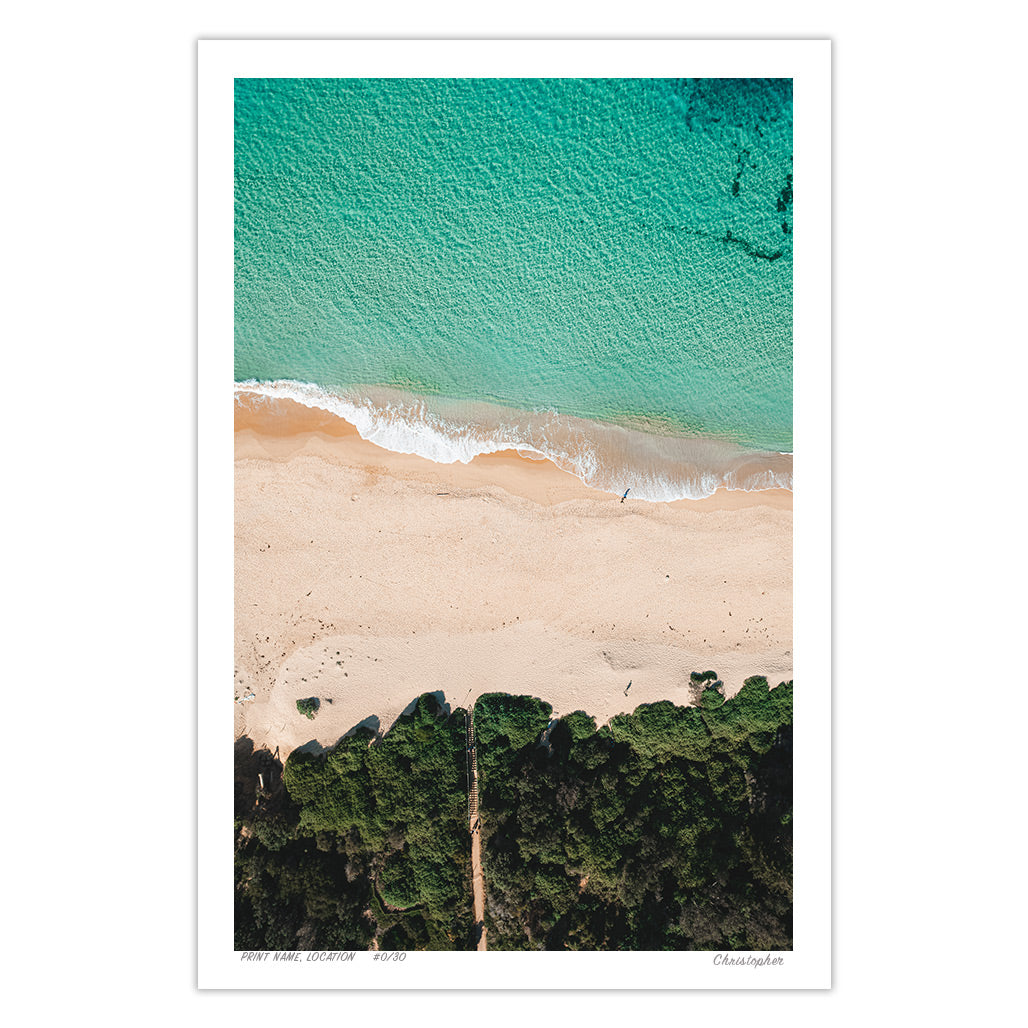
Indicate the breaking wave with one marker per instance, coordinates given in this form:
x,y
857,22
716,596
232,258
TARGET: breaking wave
x,y
612,458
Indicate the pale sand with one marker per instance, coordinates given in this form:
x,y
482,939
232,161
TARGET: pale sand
x,y
357,583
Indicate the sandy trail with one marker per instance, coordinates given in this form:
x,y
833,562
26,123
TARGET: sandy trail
x,y
478,885
365,578
475,826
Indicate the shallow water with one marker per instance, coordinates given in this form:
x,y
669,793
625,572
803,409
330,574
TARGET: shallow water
x,y
596,270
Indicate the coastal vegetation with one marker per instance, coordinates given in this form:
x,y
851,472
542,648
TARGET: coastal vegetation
x,y
365,842
670,828
308,707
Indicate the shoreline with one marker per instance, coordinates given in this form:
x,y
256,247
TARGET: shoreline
x,y
367,577
609,457
279,429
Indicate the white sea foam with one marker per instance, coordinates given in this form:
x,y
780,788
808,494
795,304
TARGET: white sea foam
x,y
657,468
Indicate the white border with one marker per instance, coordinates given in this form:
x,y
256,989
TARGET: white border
x,y
808,63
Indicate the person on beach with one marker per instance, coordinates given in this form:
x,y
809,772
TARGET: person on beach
x,y
627,687
627,491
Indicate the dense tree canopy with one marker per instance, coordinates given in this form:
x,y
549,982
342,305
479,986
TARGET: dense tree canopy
x,y
669,828
372,843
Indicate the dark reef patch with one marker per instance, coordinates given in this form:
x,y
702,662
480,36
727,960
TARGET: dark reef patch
x,y
732,240
785,196
723,106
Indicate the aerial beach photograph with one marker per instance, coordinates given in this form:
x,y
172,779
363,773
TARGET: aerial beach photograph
x,y
513,521
502,410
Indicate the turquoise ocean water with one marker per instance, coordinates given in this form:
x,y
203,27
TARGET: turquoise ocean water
x,y
596,271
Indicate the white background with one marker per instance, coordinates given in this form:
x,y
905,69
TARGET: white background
x,y
98,244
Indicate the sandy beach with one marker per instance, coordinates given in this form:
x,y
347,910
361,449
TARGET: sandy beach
x,y
365,578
